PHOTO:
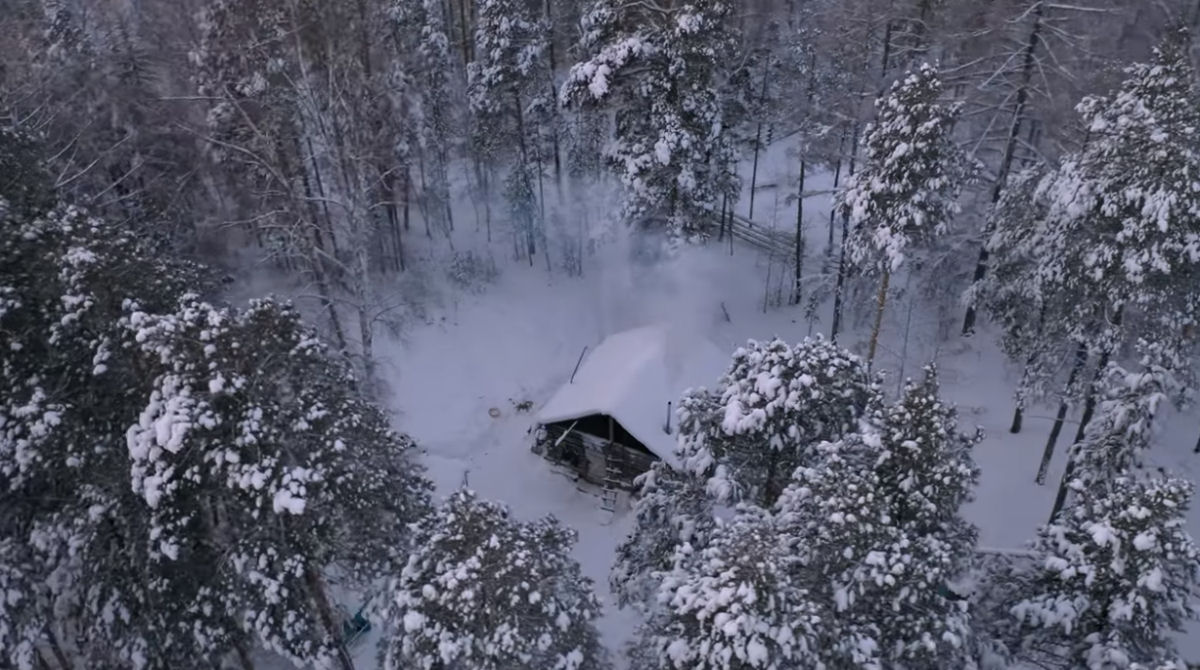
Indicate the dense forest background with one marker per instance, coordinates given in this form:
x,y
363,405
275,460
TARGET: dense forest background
x,y
318,137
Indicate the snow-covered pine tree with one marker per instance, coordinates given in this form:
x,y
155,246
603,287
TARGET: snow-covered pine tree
x,y
487,592
907,189
508,83
876,527
1033,328
72,536
926,463
767,412
834,520
422,33
256,443
1119,238
1115,577
672,508
731,605
659,70
1115,243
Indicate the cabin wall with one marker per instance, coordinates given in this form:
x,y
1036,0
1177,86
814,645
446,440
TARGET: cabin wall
x,y
588,454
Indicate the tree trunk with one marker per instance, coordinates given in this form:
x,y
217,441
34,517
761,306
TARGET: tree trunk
x,y
1010,147
465,31
312,158
1048,452
839,288
56,650
762,96
317,252
1089,409
1060,497
837,178
423,202
799,235
1019,412
907,333
531,247
1089,401
885,59
1089,404
1197,450
243,656
721,222
768,492
316,588
880,303
407,195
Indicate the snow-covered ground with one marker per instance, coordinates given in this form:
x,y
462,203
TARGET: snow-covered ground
x,y
464,353
520,339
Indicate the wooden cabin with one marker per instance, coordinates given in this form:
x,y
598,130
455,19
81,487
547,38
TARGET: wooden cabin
x,y
613,419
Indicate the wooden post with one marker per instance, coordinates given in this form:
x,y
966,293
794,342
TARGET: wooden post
x,y
667,425
581,353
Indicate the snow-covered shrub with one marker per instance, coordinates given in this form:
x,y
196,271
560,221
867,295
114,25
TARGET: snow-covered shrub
x,y
471,271
487,592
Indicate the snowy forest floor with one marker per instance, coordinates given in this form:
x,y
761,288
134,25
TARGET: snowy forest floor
x,y
517,337
520,340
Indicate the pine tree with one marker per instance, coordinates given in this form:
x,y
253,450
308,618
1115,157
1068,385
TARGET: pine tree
x,y
176,478
908,187
876,527
733,604
1114,578
767,412
508,84
1116,243
256,443
672,509
486,591
73,536
1119,235
660,70
423,37
1032,322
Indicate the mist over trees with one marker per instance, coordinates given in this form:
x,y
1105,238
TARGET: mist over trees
x,y
191,477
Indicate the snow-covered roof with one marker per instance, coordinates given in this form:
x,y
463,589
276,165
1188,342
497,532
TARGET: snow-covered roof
x,y
631,376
